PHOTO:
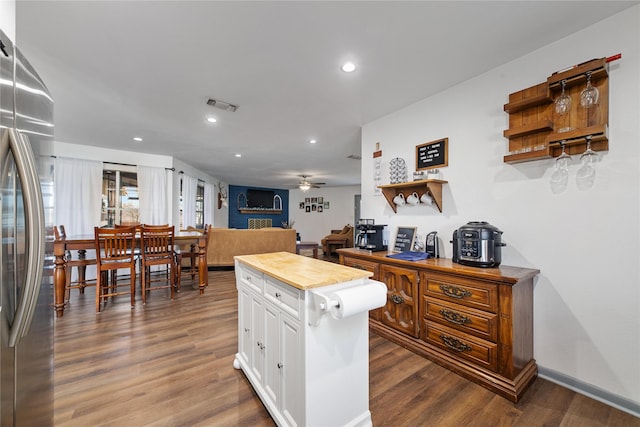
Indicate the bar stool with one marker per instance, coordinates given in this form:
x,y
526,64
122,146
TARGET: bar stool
x,y
81,260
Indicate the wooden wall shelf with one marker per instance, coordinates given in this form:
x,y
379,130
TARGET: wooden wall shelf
x,y
432,186
535,129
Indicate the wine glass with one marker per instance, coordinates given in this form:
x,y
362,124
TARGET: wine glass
x,y
560,175
589,95
563,102
585,177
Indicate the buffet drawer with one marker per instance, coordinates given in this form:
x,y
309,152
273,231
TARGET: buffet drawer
x,y
363,265
482,324
462,291
478,351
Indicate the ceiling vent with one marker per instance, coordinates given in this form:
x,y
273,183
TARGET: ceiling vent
x,y
222,105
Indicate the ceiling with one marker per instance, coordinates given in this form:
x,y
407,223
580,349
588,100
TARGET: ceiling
x,y
119,70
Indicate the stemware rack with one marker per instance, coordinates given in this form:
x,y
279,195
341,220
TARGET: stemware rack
x,y
536,130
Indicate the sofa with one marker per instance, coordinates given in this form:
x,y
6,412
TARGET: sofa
x,y
328,242
225,243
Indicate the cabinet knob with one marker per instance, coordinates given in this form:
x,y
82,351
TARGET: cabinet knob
x,y
246,329
280,365
397,299
278,295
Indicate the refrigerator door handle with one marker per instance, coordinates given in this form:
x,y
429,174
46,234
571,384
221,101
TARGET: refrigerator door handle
x,y
34,224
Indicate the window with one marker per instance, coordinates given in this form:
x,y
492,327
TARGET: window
x,y
120,204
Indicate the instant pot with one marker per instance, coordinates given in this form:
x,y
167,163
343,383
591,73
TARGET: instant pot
x,y
478,244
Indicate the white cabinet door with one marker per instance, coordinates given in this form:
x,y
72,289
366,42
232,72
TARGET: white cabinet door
x,y
272,357
291,370
244,325
257,335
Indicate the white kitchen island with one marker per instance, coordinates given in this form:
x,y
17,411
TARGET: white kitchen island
x,y
303,337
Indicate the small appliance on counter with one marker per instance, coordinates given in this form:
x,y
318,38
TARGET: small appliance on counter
x,y
431,245
370,236
478,244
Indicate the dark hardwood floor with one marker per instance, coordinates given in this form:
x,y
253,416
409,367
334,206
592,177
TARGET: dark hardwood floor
x,y
169,363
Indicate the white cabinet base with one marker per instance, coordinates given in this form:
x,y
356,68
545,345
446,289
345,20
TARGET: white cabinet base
x,y
320,372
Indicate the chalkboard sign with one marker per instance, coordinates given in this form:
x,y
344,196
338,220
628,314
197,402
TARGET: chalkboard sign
x,y
432,154
404,239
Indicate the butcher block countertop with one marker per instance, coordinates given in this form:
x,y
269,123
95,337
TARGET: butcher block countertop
x,y
302,272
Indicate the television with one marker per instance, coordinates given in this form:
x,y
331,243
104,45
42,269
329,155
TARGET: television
x,y
260,199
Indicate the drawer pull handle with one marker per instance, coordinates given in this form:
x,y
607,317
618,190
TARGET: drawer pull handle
x,y
454,317
455,344
454,291
358,266
397,299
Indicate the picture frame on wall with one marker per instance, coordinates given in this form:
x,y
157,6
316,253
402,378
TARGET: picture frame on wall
x,y
326,205
301,205
431,155
307,208
320,200
319,208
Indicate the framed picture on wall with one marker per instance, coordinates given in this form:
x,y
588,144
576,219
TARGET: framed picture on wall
x,y
301,205
326,205
307,208
319,208
320,200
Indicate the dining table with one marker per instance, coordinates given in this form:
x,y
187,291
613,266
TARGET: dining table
x,y
84,242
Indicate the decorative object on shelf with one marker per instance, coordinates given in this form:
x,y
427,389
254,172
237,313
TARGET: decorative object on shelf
x,y
418,175
537,123
288,224
222,196
413,199
242,201
277,202
377,169
397,171
432,154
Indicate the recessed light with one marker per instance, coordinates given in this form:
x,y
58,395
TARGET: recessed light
x,y
137,138
212,119
312,141
349,67
238,155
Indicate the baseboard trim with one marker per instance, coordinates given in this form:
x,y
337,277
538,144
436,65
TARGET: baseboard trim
x,y
591,391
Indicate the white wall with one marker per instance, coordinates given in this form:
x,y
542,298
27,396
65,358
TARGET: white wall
x,y
87,152
313,226
585,243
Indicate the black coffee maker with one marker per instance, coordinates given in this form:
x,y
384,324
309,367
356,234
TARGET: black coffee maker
x,y
371,236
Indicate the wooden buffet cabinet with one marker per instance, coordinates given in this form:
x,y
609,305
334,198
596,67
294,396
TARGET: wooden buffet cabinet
x,y
477,322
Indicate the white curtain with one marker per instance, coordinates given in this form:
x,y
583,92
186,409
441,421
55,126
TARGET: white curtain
x,y
78,194
189,192
152,190
210,203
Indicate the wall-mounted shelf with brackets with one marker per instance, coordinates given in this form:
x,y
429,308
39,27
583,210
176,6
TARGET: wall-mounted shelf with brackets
x,y
432,186
535,127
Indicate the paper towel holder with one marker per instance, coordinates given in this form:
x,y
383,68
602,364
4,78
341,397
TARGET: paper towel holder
x,y
321,305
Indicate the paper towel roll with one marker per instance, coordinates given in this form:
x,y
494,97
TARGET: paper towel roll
x,y
358,299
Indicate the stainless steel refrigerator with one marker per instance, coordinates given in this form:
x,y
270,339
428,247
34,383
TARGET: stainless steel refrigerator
x,y
26,290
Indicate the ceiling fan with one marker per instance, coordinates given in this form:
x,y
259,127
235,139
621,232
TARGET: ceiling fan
x,y
305,184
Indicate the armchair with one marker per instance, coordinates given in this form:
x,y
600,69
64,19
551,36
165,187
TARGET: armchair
x,y
338,238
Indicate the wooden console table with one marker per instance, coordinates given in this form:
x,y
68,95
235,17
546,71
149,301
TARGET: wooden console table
x,y
477,322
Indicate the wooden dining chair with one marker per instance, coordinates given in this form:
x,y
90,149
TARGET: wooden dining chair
x,y
80,260
114,251
191,255
157,249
